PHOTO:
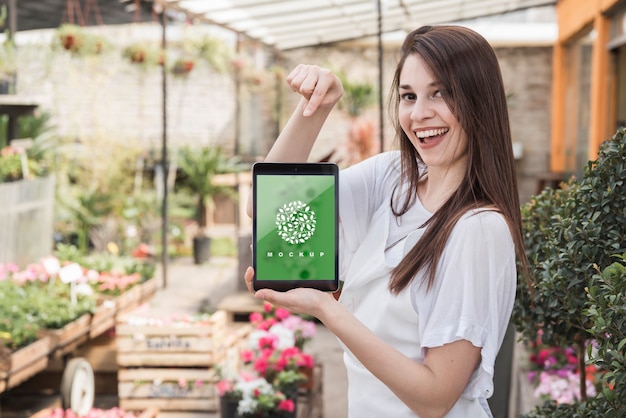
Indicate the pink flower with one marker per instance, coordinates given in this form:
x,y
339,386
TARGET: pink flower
x,y
306,360
247,356
256,317
282,313
261,365
268,341
247,376
266,324
224,386
286,405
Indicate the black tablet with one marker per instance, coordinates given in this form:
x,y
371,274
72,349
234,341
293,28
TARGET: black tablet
x,y
295,225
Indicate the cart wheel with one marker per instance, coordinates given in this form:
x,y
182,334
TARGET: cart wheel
x,y
77,386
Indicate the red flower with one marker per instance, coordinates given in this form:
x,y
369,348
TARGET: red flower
x,y
261,365
256,317
287,405
306,360
247,356
282,313
268,341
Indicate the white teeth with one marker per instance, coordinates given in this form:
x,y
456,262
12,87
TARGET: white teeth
x,y
431,132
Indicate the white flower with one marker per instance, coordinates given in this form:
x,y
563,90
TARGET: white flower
x,y
84,289
255,336
286,337
246,406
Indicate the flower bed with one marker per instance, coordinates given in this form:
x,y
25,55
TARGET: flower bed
x,y
555,376
50,308
51,294
273,365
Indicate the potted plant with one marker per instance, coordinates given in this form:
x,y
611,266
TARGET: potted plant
x,y
200,166
76,40
183,66
144,54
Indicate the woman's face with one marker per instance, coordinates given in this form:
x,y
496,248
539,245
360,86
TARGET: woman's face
x,y
426,119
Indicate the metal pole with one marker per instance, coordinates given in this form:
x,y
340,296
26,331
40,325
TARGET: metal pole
x,y
164,156
12,18
381,118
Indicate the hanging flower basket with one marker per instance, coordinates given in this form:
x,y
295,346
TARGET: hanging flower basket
x,y
75,39
183,66
144,54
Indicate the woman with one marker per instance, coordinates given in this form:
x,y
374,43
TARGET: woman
x,y
429,233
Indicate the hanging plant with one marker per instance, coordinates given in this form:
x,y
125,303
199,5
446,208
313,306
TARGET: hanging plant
x,y
183,66
144,54
215,52
75,39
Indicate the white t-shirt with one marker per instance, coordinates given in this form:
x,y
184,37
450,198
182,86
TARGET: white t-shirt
x,y
471,298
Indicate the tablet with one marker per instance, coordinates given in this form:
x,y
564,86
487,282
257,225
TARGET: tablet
x,y
295,226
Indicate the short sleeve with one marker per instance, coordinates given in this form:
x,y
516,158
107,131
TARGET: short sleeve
x,y
473,294
363,187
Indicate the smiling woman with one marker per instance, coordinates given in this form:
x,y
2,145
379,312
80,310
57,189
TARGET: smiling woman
x,y
428,236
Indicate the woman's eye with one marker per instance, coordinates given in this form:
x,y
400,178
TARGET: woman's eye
x,y
407,96
437,93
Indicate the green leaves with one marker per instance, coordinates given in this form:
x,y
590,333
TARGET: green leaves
x,y
25,309
572,236
200,166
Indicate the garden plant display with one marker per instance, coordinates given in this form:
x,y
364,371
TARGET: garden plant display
x,y
273,364
303,327
36,297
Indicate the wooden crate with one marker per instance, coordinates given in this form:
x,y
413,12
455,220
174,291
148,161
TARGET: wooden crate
x,y
129,300
169,389
148,289
174,367
173,345
26,362
148,413
103,318
239,306
68,338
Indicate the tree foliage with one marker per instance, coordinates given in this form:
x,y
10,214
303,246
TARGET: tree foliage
x,y
572,236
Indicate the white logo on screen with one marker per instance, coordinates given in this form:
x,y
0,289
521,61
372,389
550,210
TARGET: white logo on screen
x,y
295,222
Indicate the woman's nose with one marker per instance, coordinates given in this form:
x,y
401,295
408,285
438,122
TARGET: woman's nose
x,y
422,109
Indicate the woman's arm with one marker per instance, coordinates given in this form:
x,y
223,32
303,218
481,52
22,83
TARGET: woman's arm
x,y
430,389
320,90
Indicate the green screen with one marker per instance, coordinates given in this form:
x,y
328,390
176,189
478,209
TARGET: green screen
x,y
295,227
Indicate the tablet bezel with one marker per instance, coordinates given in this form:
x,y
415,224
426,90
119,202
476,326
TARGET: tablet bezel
x,y
267,168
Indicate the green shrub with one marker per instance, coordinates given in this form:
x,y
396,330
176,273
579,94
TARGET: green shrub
x,y
607,312
570,235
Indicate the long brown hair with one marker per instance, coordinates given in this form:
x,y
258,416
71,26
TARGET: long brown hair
x,y
468,69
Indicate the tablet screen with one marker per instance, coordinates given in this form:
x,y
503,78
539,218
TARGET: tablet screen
x,y
295,225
